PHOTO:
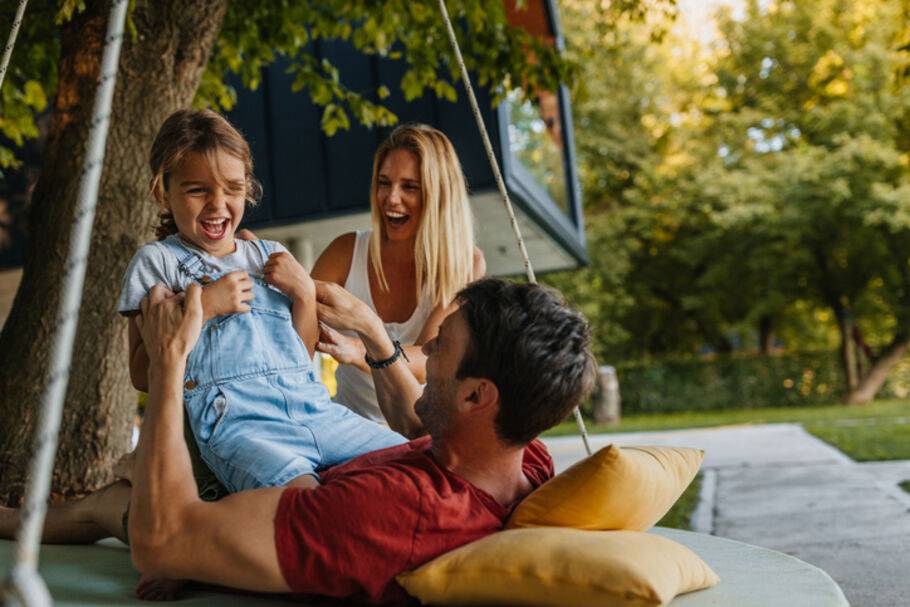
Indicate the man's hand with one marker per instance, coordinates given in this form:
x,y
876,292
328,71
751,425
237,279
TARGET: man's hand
x,y
341,310
284,272
170,324
230,294
346,350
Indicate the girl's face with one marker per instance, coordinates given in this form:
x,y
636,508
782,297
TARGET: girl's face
x,y
399,194
208,207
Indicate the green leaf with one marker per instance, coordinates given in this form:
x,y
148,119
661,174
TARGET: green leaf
x,y
34,95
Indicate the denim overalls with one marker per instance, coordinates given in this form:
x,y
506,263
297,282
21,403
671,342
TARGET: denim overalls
x,y
256,409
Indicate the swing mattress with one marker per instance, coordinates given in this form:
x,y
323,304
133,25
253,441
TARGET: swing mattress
x,y
102,574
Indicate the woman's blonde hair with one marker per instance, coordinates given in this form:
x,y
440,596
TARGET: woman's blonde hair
x,y
201,132
444,246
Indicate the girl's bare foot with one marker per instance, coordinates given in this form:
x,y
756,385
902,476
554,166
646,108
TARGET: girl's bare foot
x,y
152,588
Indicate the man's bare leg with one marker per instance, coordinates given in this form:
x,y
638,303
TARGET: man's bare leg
x,y
84,521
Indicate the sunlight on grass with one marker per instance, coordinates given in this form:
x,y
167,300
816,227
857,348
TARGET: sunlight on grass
x,y
765,415
873,432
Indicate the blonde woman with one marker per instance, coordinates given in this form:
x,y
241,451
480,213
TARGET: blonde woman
x,y
418,255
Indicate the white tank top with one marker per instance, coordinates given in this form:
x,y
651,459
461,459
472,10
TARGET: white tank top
x,y
355,388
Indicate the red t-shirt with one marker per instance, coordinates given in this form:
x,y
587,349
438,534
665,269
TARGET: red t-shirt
x,y
383,513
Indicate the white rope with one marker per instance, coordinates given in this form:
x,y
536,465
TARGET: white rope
x,y
499,181
24,584
8,49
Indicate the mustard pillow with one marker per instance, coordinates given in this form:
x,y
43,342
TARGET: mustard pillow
x,y
616,488
561,567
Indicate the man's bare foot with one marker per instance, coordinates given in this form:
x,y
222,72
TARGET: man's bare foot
x,y
124,466
152,588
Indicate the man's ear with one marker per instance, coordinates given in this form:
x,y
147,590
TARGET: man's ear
x,y
482,393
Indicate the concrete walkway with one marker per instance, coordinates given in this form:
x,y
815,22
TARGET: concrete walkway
x,y
778,486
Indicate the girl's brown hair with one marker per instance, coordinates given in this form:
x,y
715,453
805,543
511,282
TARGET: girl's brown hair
x,y
201,132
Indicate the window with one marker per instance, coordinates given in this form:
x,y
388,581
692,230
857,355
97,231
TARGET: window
x,y
535,139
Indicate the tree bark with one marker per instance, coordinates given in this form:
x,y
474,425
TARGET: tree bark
x,y
765,334
873,381
160,69
847,348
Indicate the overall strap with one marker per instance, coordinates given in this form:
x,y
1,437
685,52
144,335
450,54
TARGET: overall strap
x,y
265,247
190,262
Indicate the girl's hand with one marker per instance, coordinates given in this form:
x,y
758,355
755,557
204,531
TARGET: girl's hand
x,y
346,350
230,294
284,272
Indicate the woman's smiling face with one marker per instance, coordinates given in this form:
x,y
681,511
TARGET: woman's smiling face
x,y
208,207
399,194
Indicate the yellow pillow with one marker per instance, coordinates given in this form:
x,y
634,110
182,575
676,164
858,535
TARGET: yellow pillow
x,y
616,488
561,567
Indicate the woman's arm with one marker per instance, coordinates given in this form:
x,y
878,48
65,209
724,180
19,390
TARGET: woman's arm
x,y
434,320
334,263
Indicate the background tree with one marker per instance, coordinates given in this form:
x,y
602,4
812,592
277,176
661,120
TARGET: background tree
x,y
814,110
751,187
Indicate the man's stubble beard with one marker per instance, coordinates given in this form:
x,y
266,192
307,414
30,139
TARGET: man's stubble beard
x,y
434,408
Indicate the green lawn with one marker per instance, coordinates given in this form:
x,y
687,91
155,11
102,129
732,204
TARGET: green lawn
x,y
680,515
877,431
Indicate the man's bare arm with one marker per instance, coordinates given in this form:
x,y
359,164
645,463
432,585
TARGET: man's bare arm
x,y
173,533
396,387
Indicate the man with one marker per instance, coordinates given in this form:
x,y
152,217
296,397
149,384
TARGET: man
x,y
510,362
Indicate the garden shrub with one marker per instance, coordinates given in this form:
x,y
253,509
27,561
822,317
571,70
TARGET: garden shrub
x,y
742,382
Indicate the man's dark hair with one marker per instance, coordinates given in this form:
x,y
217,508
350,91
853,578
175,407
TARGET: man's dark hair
x,y
527,341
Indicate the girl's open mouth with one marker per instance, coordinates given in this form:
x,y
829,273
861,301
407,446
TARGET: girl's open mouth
x,y
214,228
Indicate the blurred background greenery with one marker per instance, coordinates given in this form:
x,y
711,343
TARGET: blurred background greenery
x,y
747,197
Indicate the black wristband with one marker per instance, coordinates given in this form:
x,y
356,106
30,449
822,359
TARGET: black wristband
x,y
382,364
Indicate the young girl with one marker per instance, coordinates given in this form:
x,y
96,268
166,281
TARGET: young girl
x,y
256,410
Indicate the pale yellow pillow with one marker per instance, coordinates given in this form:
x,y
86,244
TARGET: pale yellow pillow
x,y
561,567
616,488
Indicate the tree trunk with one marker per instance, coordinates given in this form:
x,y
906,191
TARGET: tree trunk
x,y
160,69
847,349
878,373
765,334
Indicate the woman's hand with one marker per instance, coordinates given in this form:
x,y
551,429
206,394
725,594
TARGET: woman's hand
x,y
286,273
346,350
232,293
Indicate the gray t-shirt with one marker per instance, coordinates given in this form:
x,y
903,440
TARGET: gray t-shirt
x,y
155,263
